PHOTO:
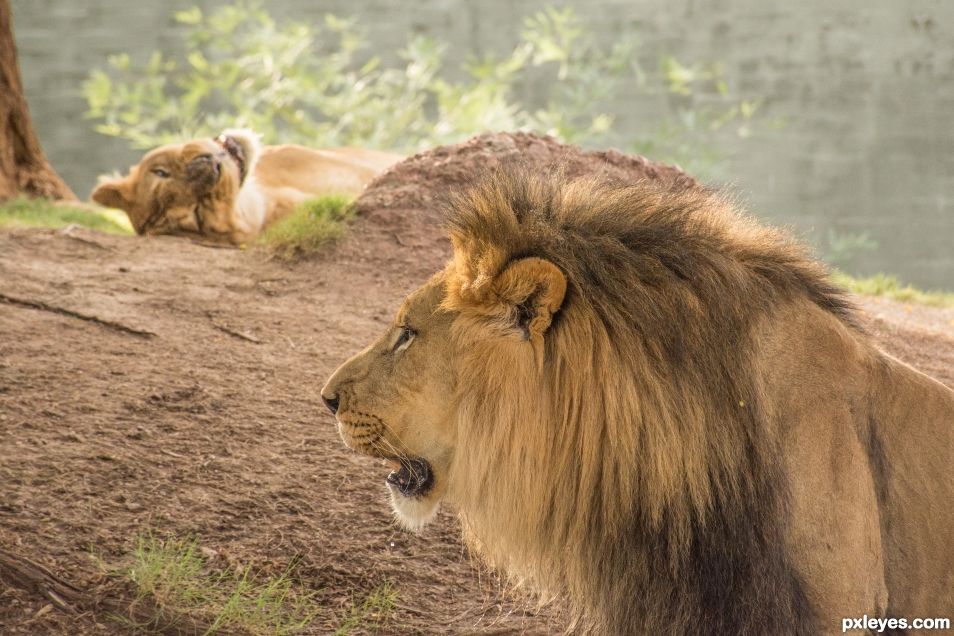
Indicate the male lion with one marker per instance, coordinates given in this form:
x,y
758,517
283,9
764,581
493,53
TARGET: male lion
x,y
642,400
228,189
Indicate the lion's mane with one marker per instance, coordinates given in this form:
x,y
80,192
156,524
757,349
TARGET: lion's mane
x,y
635,470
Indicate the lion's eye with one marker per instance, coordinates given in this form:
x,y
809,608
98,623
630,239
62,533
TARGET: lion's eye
x,y
404,339
161,173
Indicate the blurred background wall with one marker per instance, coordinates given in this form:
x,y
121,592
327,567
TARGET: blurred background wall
x,y
866,90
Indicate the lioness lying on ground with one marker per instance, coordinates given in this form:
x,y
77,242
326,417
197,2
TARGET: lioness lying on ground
x,y
644,402
230,188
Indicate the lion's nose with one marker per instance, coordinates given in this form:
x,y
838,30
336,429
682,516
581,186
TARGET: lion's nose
x,y
203,172
331,403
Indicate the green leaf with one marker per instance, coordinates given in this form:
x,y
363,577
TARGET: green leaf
x,y
119,62
748,108
189,16
198,61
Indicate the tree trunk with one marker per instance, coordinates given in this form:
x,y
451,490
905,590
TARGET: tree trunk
x,y
23,167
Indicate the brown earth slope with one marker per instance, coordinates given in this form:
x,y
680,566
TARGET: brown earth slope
x,y
150,383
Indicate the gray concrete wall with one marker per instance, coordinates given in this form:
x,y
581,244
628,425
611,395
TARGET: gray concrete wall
x,y
867,89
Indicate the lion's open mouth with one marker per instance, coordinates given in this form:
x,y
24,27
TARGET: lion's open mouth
x,y
412,477
235,150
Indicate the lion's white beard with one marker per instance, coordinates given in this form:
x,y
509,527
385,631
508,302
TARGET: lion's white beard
x,y
414,513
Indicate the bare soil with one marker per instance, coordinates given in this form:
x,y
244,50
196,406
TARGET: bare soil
x,y
152,383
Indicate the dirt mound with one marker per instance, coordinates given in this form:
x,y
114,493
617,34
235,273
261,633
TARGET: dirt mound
x,y
418,182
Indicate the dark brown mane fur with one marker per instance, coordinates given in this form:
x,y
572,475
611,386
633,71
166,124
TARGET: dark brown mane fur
x,y
662,506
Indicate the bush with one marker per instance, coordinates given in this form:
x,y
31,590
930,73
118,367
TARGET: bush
x,y
242,68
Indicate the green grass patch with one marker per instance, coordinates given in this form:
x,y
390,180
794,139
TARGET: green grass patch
x,y
175,576
890,287
309,226
25,212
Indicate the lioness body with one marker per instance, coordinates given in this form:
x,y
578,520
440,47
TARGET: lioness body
x,y
640,400
202,189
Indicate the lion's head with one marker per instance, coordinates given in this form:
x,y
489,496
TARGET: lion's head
x,y
394,400
574,384
187,189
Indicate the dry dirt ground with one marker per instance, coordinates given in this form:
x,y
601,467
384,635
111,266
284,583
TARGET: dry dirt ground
x,y
152,383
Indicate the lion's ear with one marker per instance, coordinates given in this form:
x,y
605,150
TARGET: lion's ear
x,y
113,193
533,288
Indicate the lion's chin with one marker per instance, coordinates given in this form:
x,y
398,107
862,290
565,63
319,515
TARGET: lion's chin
x,y
413,512
416,492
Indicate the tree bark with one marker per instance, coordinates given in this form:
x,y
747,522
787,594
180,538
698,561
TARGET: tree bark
x,y
23,166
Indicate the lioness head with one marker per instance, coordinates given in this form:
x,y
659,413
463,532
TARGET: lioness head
x,y
186,189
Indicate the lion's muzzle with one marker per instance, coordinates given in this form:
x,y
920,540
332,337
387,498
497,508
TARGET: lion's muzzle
x,y
203,173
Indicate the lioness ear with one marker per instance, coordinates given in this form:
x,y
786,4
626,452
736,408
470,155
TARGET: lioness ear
x,y
533,289
113,193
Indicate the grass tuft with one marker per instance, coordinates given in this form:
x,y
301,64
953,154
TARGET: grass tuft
x,y
26,212
175,575
170,571
371,612
890,287
309,226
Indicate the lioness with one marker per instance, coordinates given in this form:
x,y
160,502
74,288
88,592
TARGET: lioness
x,y
642,401
228,189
